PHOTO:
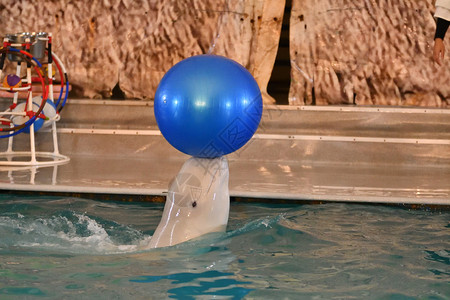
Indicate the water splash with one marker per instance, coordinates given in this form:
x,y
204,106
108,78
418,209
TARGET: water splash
x,y
69,232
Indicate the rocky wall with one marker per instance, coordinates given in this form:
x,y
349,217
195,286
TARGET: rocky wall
x,y
133,43
366,52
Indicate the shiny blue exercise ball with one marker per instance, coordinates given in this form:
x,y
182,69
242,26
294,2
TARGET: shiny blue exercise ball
x,y
208,106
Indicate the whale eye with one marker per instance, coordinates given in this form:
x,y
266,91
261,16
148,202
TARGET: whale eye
x,y
185,189
194,204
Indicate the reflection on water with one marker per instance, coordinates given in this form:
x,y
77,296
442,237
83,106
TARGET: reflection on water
x,y
72,248
210,283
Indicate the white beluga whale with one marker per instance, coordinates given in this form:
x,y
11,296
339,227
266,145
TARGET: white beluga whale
x,y
197,203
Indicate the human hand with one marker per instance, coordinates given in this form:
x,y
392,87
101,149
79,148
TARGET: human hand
x,y
439,51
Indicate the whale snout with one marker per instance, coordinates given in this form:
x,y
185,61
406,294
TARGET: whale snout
x,y
197,203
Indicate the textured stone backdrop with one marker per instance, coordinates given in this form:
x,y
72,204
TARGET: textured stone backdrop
x,y
342,51
366,52
133,43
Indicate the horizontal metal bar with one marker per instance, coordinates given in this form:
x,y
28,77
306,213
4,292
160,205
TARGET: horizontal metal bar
x,y
369,109
108,131
111,102
352,139
342,108
356,139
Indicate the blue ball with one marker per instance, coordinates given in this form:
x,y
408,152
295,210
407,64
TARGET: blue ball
x,y
208,106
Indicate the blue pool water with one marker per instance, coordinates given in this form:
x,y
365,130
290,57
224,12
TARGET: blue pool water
x,y
68,248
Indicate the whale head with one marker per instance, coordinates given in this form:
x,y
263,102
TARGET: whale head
x,y
197,203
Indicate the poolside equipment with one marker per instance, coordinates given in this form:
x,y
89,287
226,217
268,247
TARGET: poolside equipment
x,y
20,119
208,106
49,110
11,81
34,50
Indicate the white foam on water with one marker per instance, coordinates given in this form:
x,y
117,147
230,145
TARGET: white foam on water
x,y
78,234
